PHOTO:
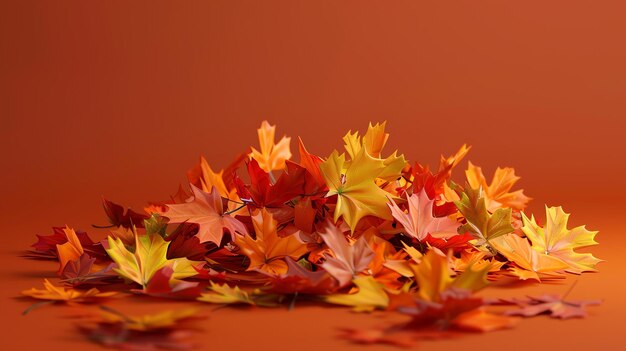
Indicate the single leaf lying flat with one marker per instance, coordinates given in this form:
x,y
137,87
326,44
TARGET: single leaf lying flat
x,y
555,240
59,293
553,305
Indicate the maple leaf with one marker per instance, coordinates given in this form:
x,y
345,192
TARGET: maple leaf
x,y
267,251
355,187
164,284
497,194
264,192
298,279
312,164
149,256
71,250
347,260
434,184
477,260
166,330
224,294
207,210
555,240
480,320
54,293
84,271
433,277
553,305
370,296
211,179
455,243
46,245
374,141
184,243
127,235
118,216
208,179
482,224
419,222
272,156
535,265
147,322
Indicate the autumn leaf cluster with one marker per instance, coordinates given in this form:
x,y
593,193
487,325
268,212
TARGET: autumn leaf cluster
x,y
362,227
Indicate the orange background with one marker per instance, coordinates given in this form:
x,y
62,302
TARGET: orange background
x,y
119,99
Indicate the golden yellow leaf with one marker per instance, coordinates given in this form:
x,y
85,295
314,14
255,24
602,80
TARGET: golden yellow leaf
x,y
354,184
149,256
224,294
433,277
555,240
370,295
374,141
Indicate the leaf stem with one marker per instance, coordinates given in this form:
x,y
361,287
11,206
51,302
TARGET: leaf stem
x,y
569,290
103,226
235,210
37,305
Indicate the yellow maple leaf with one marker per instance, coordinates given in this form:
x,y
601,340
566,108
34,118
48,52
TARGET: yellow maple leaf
x,y
497,193
433,276
224,294
374,141
59,293
267,251
370,295
272,156
149,256
555,240
534,264
354,184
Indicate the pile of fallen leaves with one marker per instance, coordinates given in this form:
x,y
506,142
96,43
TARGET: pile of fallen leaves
x,y
360,228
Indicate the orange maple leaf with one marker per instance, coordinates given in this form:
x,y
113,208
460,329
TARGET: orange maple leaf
x,y
272,156
267,251
532,263
497,193
71,250
59,293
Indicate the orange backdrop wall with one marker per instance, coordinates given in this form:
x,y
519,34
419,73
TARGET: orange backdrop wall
x,y
120,98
